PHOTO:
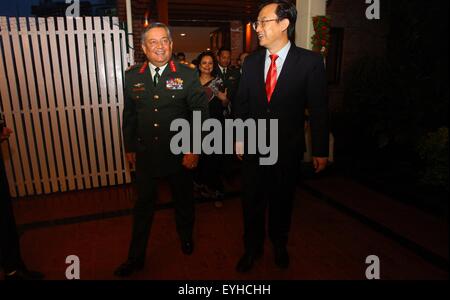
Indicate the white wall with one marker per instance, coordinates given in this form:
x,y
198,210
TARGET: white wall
x,y
304,29
195,41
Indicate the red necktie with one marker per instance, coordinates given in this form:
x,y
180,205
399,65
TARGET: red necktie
x,y
271,80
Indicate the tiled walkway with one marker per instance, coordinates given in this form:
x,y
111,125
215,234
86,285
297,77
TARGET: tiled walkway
x,y
333,232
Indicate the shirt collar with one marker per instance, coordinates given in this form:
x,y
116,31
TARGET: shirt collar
x,y
223,68
153,67
282,53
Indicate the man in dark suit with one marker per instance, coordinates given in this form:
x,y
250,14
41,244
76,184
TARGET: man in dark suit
x,y
229,75
278,82
156,93
241,60
10,256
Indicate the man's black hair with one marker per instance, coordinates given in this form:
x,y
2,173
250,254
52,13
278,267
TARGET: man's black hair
x,y
223,49
285,10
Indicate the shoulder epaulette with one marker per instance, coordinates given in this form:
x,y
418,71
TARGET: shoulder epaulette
x,y
143,67
172,66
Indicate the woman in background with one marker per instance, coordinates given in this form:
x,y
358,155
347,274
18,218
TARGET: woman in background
x,y
208,178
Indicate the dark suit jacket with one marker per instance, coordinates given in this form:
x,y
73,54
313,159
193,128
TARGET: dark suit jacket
x,y
302,83
231,81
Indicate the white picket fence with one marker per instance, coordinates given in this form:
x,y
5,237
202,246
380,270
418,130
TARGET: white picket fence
x,y
61,91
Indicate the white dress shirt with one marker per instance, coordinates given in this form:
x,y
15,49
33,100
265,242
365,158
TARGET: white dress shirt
x,y
153,67
282,54
222,69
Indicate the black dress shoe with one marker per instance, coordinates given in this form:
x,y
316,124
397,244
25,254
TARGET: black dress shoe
x,y
187,247
246,262
129,267
281,257
24,274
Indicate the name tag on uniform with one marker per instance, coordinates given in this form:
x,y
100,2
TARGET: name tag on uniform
x,y
174,84
138,87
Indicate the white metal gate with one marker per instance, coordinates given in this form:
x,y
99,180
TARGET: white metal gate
x,y
61,91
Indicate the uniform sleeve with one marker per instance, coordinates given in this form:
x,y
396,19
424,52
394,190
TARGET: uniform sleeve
x,y
129,126
318,108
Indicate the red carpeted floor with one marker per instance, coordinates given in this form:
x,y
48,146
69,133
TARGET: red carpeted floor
x,y
324,243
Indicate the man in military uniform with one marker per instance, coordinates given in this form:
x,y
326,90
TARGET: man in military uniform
x,y
230,75
156,93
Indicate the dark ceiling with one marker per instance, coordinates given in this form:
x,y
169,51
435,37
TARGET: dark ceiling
x,y
211,11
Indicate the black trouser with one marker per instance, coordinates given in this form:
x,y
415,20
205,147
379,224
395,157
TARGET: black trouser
x,y
210,168
180,184
210,171
272,188
9,240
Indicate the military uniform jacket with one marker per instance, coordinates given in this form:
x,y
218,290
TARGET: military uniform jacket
x,y
149,111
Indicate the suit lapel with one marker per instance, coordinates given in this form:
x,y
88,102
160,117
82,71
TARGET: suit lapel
x,y
220,73
288,69
260,79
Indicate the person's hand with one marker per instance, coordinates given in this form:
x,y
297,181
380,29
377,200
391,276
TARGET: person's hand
x,y
319,163
131,159
190,161
223,97
6,132
239,148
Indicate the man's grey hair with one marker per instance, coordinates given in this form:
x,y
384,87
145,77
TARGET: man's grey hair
x,y
155,25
